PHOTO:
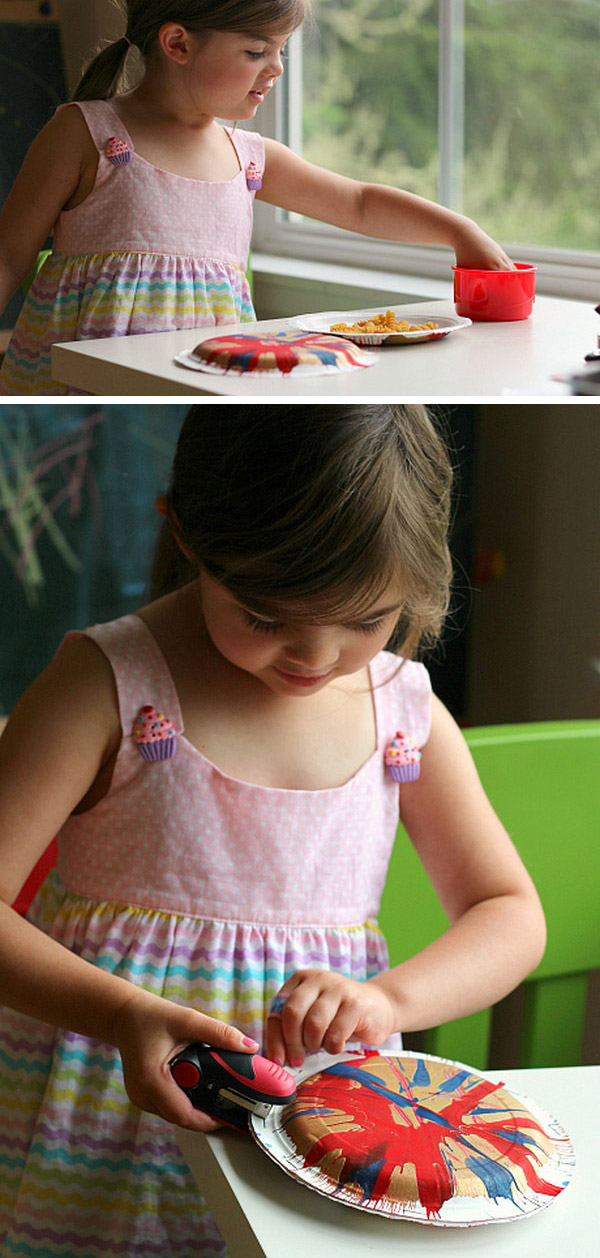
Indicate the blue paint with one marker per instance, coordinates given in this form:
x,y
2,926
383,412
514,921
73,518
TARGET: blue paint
x,y
498,1181
451,1085
490,1109
421,1077
348,1071
327,357
364,1176
519,1137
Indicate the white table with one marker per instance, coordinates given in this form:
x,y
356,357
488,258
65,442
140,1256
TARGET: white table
x,y
485,360
262,1213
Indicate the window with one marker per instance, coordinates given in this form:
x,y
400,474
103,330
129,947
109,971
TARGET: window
x,y
488,106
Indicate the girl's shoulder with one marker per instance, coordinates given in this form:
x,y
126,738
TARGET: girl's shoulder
x,y
70,711
66,134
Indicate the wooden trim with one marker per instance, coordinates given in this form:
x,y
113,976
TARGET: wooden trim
x,y
27,11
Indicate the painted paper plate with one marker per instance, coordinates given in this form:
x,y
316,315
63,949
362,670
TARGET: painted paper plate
x,y
444,324
416,1137
276,354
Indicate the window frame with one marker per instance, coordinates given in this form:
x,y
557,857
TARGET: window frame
x,y
568,273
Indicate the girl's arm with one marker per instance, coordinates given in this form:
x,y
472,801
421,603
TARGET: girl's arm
x,y
62,734
58,171
497,931
372,209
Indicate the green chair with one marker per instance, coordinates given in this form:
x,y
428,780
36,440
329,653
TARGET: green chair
x,y
543,781
37,266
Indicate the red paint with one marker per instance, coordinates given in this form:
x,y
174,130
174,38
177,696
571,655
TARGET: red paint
x,y
246,351
436,1138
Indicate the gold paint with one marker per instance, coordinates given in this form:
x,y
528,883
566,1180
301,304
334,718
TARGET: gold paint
x,y
404,1117
403,1183
332,1165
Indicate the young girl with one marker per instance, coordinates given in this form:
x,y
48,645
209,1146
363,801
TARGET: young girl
x,y
150,198
193,888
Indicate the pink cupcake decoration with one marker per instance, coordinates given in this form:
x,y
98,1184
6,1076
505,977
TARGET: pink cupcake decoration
x,y
402,759
154,734
253,177
117,151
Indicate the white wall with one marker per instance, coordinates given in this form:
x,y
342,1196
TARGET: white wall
x,y
535,643
84,24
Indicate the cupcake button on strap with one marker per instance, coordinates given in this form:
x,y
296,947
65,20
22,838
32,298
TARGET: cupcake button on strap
x,y
117,151
402,759
154,734
253,177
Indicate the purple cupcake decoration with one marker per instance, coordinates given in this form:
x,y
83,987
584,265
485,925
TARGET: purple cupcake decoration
x,y
117,151
154,734
402,759
253,177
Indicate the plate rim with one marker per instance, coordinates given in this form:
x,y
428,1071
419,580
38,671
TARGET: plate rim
x,y
447,323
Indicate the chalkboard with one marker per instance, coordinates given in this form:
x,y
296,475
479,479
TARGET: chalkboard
x,y
78,527
33,84
77,522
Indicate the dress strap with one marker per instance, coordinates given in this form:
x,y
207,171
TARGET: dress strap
x,y
141,673
103,122
250,149
402,698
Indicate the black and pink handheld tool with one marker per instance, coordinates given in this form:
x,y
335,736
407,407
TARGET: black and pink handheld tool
x,y
229,1085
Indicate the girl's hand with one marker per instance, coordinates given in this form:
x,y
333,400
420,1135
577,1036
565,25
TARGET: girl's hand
x,y
478,251
324,1010
149,1031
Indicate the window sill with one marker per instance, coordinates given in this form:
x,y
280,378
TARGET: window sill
x,y
285,286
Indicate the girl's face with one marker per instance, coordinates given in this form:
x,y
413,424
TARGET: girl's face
x,y
231,73
293,657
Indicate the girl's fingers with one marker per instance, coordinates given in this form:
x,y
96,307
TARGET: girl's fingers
x,y
342,1027
301,1015
151,1032
287,1015
274,1041
199,1027
223,1035
175,1106
319,1019
172,1104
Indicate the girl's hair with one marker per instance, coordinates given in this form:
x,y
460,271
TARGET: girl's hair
x,y
313,511
145,18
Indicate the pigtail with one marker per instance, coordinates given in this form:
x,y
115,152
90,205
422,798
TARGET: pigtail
x,y
101,79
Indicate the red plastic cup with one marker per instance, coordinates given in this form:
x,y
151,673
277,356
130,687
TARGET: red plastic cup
x,y
495,295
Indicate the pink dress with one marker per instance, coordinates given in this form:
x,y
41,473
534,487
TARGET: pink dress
x,y
147,251
210,891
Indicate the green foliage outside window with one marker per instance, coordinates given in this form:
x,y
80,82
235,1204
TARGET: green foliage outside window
x,y
532,98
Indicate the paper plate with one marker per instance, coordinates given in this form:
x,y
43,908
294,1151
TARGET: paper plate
x,y
416,1137
323,322
277,354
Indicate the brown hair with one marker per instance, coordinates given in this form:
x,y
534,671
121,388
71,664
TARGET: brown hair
x,y
313,510
145,18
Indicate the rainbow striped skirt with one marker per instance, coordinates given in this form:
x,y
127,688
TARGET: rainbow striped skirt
x,y
81,298
83,1172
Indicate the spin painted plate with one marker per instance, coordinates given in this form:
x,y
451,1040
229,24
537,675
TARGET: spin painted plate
x,y
275,354
416,1137
322,323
